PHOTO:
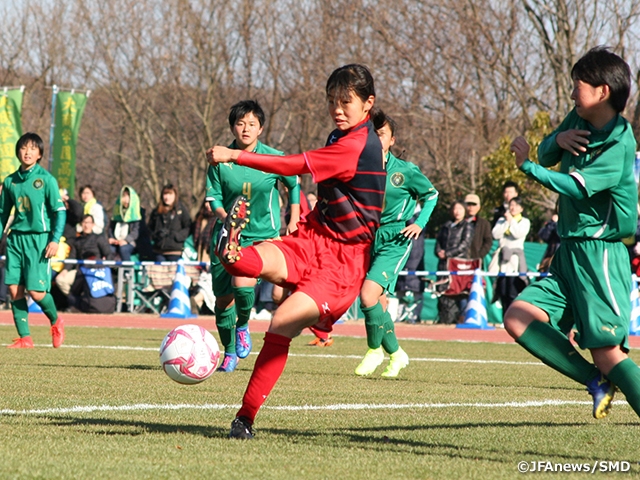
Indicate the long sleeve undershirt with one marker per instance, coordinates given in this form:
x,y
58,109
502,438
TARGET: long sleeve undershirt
x,y
556,181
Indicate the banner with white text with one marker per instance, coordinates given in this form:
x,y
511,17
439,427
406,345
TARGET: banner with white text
x,y
69,110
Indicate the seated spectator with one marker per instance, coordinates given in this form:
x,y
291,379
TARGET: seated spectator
x,y
74,216
87,245
92,207
203,231
92,290
169,226
124,228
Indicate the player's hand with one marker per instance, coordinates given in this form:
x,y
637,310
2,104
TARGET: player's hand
x,y
573,141
51,250
521,149
412,231
292,227
220,154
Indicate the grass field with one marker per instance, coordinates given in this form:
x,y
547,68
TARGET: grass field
x,y
101,407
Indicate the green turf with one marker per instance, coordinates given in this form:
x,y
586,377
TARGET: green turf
x,y
372,431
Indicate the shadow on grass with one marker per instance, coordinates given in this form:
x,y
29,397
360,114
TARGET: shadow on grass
x,y
105,426
108,367
391,439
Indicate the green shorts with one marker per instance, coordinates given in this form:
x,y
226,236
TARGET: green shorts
x,y
26,263
389,255
220,278
590,289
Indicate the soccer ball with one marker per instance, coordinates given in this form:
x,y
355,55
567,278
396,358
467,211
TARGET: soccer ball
x,y
189,354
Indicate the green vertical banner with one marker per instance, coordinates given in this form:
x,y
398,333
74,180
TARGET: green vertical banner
x,y
69,110
10,128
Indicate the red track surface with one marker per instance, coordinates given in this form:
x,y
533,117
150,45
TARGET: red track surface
x,y
352,328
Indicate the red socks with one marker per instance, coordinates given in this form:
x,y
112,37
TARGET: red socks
x,y
266,372
249,265
320,333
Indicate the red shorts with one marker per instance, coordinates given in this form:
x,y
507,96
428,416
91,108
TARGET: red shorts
x,y
328,271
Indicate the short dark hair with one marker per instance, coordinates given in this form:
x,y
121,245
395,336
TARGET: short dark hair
x,y
354,78
245,107
510,183
518,200
86,216
599,66
84,187
27,138
380,119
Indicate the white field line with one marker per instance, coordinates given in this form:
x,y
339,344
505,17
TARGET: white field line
x,y
312,355
292,408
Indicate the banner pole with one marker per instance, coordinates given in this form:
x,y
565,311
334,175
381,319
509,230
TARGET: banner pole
x,y
53,124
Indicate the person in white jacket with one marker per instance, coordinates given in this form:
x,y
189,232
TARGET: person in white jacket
x,y
511,230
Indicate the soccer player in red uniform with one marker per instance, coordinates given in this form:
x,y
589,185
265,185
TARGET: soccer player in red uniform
x,y
325,261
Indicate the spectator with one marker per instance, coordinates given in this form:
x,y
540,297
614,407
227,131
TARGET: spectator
x,y
203,231
124,228
74,216
549,234
169,226
482,238
92,289
509,191
453,241
92,207
89,245
511,230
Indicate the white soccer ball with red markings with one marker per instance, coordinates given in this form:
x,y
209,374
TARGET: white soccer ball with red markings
x,y
189,354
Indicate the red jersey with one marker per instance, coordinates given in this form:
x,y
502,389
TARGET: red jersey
x,y
351,180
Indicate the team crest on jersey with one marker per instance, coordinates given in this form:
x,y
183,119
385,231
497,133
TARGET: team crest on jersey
x,y
397,179
38,183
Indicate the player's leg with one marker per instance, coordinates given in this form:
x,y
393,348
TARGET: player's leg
x,y
322,338
297,312
225,312
529,326
264,260
244,294
14,279
20,312
38,282
374,319
621,370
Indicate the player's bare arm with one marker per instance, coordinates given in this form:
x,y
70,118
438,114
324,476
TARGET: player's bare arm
x,y
412,231
574,141
220,154
520,147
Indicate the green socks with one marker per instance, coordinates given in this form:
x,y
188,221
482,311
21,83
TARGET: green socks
x,y
21,316
389,339
626,376
555,350
374,318
245,298
226,323
48,307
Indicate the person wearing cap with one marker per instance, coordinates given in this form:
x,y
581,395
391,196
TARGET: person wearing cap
x,y
482,238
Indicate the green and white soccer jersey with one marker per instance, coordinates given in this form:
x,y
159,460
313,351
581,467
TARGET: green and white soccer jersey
x,y
605,171
406,185
34,194
591,280
225,182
